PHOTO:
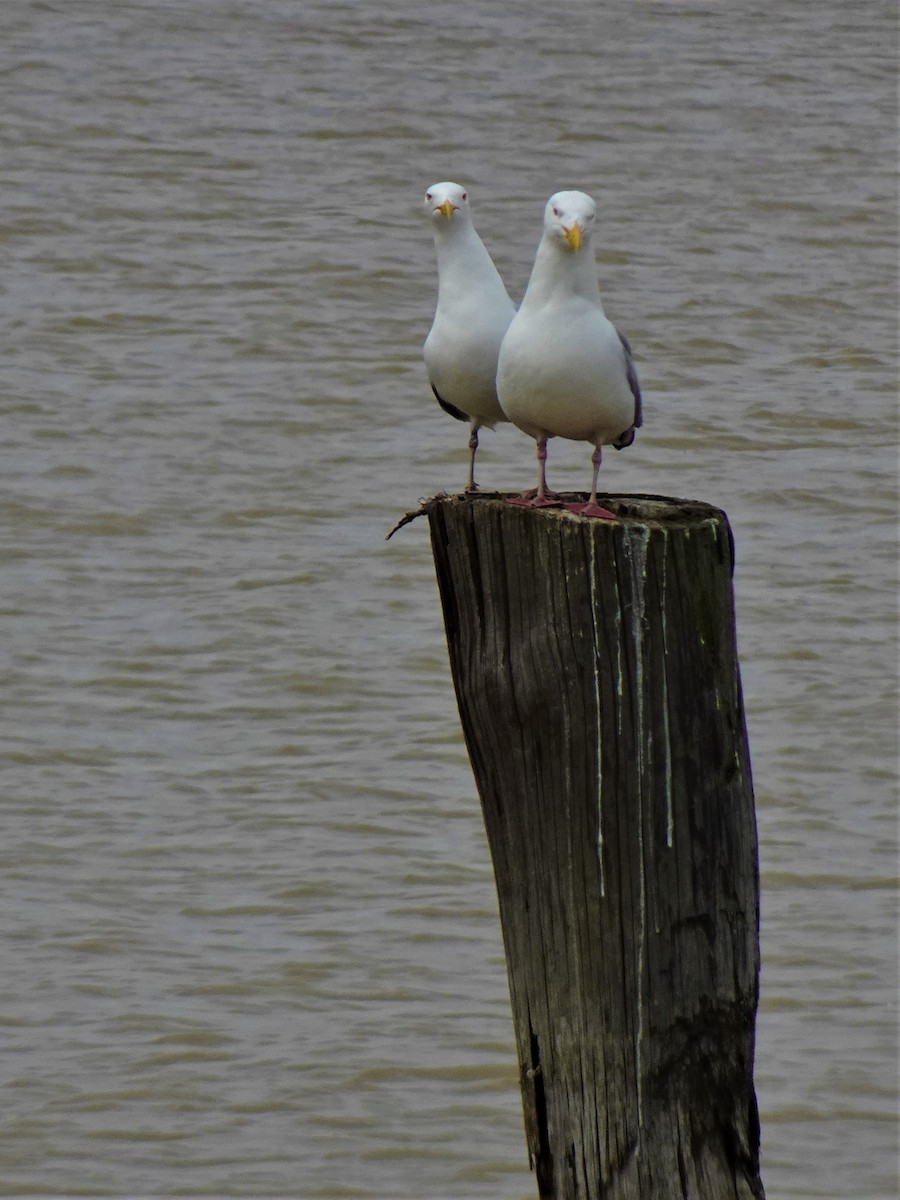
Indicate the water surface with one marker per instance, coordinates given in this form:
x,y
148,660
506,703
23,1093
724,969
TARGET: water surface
x,y
250,943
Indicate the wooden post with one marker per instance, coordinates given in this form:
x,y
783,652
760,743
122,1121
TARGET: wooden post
x,y
596,673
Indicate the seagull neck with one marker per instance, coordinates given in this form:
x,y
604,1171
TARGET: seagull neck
x,y
460,251
557,269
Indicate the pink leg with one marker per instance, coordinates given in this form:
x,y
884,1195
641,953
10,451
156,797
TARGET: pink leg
x,y
540,497
471,485
595,462
592,508
543,497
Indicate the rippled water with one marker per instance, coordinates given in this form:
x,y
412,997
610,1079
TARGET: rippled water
x,y
250,943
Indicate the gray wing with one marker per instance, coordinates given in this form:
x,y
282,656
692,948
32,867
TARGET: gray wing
x,y
631,373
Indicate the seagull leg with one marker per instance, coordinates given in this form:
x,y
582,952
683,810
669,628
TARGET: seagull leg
x,y
592,508
471,485
541,493
541,497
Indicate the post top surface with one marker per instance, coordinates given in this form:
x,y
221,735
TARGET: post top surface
x,y
633,511
636,508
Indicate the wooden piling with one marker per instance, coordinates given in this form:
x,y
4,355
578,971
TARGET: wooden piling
x,y
597,679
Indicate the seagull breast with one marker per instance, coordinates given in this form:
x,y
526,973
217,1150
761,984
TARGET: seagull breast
x,y
562,369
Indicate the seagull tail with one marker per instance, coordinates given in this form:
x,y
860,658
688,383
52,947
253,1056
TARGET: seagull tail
x,y
624,439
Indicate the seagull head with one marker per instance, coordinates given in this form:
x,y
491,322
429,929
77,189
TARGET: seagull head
x,y
445,201
568,219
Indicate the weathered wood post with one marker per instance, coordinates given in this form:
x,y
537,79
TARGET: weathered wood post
x,y
598,685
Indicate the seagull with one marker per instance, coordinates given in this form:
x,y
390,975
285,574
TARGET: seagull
x,y
473,313
564,369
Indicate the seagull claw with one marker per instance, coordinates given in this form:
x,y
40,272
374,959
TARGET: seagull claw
x,y
532,501
591,510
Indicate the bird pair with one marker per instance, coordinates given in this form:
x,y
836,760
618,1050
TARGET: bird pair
x,y
556,367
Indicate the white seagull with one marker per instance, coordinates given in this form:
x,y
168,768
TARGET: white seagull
x,y
473,313
564,369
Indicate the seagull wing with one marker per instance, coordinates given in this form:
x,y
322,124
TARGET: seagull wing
x,y
627,437
449,408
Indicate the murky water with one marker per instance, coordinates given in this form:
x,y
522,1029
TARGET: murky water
x,y
250,943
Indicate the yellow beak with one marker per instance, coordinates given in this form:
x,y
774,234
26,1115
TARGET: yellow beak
x,y
573,236
446,209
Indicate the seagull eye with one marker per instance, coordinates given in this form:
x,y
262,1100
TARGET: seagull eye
x,y
465,196
556,211
428,196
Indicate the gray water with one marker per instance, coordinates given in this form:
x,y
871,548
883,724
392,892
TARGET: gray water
x,y
249,942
